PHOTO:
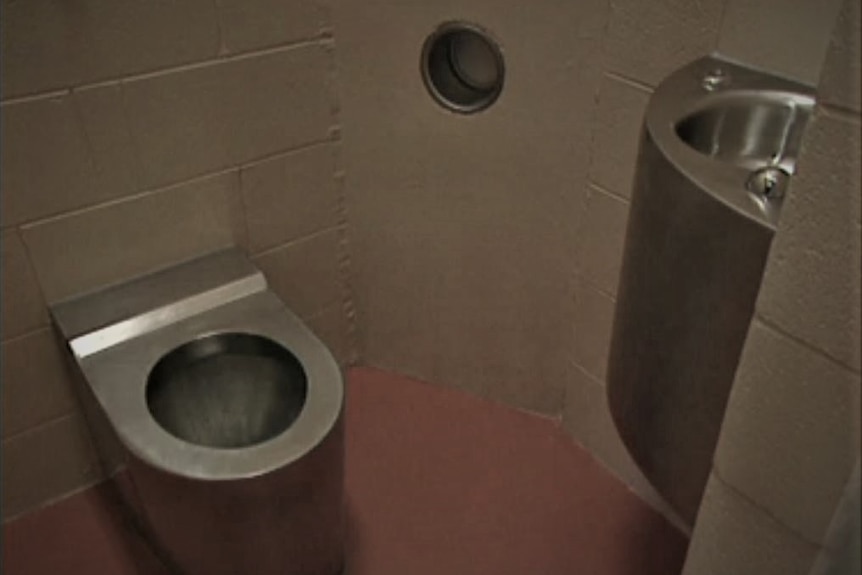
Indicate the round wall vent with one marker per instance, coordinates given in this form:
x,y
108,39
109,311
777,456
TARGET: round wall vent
x,y
462,67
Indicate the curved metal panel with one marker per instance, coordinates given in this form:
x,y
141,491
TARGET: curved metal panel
x,y
229,414
690,276
290,521
696,245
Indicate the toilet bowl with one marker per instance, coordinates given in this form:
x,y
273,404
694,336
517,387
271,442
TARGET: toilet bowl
x,y
229,413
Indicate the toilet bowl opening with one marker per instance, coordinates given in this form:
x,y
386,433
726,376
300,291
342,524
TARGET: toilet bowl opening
x,y
229,390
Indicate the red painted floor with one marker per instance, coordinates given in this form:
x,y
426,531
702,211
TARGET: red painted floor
x,y
438,482
81,535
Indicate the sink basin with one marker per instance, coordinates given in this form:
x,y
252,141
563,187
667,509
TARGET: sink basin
x,y
748,130
718,123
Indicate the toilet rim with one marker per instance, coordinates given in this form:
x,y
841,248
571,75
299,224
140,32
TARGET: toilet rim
x,y
262,314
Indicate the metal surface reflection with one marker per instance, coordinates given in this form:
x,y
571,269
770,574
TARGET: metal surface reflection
x,y
228,412
718,145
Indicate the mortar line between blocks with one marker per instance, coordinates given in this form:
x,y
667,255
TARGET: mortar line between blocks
x,y
745,497
295,241
42,424
137,194
632,82
212,60
772,326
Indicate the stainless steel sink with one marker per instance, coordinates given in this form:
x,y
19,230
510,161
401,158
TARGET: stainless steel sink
x,y
748,130
722,125
718,149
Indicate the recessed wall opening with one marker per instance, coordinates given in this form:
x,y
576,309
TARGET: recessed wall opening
x,y
462,67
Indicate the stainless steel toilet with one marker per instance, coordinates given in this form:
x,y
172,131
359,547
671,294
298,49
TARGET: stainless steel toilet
x,y
229,413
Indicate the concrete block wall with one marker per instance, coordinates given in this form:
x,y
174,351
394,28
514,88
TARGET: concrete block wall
x,y
139,134
484,250
643,43
487,247
791,436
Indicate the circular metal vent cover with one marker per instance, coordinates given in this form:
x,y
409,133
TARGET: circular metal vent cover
x,y
462,67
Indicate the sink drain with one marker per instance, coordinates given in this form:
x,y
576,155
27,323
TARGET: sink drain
x,y
462,67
